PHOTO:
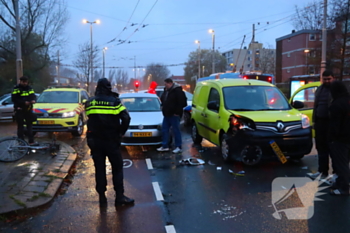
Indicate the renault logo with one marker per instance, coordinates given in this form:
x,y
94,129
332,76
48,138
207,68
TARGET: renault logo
x,y
46,114
280,126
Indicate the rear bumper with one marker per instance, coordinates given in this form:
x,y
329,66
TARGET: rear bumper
x,y
295,143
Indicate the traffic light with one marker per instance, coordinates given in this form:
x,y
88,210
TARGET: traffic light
x,y
136,84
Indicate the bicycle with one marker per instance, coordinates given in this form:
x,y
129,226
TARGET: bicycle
x,y
14,148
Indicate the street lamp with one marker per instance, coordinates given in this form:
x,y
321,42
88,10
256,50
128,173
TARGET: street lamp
x,y
104,52
213,39
307,51
199,58
91,60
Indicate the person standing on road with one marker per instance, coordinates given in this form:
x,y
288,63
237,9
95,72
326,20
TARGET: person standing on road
x,y
339,133
108,120
321,122
23,98
173,101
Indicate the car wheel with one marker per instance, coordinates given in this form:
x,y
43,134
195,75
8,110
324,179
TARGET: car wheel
x,y
225,149
197,139
187,118
251,155
80,128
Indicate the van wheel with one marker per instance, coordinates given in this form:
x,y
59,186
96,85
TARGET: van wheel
x,y
80,128
225,149
197,139
251,155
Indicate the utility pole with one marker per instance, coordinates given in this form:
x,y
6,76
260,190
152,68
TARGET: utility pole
x,y
135,67
58,67
324,39
19,68
239,53
253,49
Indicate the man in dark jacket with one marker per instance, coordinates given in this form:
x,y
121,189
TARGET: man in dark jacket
x,y
23,98
339,134
173,101
108,121
320,120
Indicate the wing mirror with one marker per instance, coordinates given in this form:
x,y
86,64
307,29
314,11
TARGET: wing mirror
x,y
213,105
297,104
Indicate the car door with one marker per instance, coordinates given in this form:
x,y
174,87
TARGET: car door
x,y
212,117
6,108
307,96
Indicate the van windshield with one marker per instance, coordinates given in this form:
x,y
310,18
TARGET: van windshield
x,y
254,98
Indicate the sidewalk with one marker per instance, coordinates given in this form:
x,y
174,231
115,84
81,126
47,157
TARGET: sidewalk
x,y
35,179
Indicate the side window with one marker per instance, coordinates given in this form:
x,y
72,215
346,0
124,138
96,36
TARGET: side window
x,y
307,96
9,100
83,96
214,96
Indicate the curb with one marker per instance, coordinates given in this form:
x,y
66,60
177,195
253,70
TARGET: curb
x,y
38,186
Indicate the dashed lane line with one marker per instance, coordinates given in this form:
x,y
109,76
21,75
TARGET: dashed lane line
x,y
170,229
149,164
157,191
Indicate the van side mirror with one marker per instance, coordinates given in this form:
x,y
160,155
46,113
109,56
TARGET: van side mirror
x,y
297,104
213,105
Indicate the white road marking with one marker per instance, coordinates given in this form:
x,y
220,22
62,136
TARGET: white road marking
x,y
149,164
157,191
170,229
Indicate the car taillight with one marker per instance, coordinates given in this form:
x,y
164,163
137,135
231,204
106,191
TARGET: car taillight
x,y
269,78
245,77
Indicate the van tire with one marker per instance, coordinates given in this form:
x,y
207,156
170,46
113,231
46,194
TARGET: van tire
x,y
197,139
225,151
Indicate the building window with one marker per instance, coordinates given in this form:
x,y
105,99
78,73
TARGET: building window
x,y
312,37
248,58
248,65
288,54
288,70
320,37
288,40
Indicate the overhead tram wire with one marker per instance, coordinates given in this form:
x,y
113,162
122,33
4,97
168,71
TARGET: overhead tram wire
x,y
127,23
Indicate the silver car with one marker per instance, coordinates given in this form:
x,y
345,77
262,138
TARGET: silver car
x,y
146,119
6,107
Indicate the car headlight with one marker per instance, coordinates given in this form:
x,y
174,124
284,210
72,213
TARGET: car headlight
x,y
305,121
68,114
239,124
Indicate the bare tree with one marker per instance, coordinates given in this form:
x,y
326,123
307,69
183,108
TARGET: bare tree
x,y
267,60
157,72
82,63
311,16
122,79
43,18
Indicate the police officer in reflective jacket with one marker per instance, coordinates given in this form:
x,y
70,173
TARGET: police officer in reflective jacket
x,y
108,120
23,98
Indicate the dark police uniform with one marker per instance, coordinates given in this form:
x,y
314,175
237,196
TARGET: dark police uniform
x,y
23,113
108,121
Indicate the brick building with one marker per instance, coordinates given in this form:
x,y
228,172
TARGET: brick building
x,y
298,53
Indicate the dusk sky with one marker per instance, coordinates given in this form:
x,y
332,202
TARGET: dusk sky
x,y
166,29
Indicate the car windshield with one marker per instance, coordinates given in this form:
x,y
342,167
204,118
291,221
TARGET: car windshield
x,y
189,96
254,98
141,104
58,97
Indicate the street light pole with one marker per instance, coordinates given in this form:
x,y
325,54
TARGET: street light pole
x,y
213,52
91,52
19,68
199,58
104,52
324,39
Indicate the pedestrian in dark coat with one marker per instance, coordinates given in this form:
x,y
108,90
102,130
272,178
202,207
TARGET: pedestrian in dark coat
x,y
173,101
339,134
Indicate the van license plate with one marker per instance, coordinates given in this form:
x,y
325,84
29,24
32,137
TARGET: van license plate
x,y
46,122
278,152
143,134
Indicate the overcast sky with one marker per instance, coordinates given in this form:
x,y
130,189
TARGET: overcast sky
x,y
165,30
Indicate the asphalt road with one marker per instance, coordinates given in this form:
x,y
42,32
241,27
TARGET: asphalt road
x,y
199,198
